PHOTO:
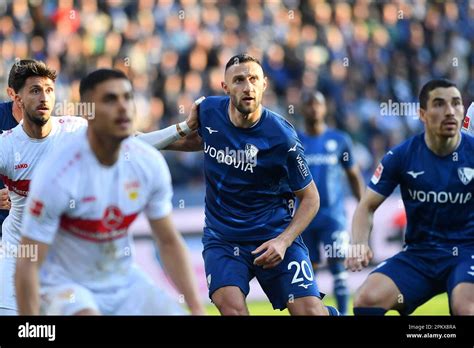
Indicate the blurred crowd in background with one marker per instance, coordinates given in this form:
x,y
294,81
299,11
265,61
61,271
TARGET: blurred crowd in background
x,y
359,53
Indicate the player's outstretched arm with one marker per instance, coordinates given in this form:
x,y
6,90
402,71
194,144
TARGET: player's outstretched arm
x,y
177,262
180,136
360,253
27,276
276,248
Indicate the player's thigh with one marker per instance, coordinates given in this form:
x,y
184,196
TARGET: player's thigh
x,y
462,299
291,279
461,286
144,297
7,283
227,264
378,290
402,282
68,299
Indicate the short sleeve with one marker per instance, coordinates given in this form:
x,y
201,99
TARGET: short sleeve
x,y
160,204
386,176
43,210
347,156
299,175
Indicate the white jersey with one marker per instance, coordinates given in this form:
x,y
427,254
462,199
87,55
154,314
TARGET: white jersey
x,y
83,209
19,157
468,124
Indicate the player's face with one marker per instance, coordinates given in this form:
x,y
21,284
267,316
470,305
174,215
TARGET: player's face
x,y
36,99
314,110
114,108
444,112
245,84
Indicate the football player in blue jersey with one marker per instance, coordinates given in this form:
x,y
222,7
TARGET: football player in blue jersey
x,y
329,156
435,171
255,168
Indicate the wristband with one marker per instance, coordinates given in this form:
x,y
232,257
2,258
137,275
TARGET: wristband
x,y
183,129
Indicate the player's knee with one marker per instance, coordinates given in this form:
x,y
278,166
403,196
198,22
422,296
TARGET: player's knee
x,y
462,307
228,305
367,298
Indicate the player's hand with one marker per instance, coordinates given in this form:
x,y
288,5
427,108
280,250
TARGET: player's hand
x,y
193,119
274,254
359,257
4,199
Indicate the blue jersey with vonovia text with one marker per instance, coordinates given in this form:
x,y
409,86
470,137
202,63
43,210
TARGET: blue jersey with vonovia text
x,y
251,173
437,191
328,155
7,122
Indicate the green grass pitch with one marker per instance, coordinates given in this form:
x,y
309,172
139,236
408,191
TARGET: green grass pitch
x,y
438,305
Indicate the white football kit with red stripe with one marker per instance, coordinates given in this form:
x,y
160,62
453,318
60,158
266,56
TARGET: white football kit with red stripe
x,y
468,123
19,156
83,209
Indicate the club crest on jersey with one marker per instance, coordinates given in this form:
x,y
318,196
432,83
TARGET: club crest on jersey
x,y
251,152
377,174
465,174
132,189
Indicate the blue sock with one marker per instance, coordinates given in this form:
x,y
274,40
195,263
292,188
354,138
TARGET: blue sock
x,y
341,291
369,311
333,311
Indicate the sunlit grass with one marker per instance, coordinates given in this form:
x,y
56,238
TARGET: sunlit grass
x,y
436,306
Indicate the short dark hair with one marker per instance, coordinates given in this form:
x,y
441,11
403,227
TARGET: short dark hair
x,y
241,58
431,85
26,68
89,82
18,63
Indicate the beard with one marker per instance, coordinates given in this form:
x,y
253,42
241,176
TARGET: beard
x,y
244,109
37,120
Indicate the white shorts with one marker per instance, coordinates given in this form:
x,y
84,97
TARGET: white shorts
x,y
7,283
142,297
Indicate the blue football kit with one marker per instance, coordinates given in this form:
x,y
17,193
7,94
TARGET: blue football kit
x,y
7,121
251,176
439,240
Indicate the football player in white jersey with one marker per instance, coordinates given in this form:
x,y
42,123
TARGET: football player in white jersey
x,y
468,122
85,257
23,147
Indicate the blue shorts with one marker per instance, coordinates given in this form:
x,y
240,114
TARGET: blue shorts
x,y
231,264
335,243
421,274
